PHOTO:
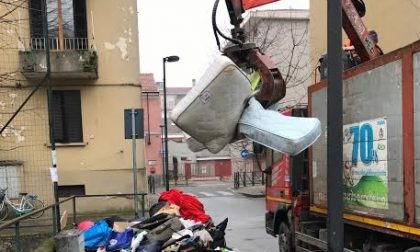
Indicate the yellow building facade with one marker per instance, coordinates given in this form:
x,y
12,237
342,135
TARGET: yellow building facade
x,y
95,69
395,21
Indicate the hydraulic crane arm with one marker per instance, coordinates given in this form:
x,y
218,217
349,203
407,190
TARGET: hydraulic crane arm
x,y
357,31
247,55
353,11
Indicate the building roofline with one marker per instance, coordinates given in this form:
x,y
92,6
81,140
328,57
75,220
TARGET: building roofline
x,y
289,14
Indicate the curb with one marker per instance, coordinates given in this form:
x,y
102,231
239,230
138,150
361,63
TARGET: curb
x,y
249,195
246,194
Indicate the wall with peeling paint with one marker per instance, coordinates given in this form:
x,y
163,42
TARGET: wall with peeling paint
x,y
115,42
26,137
25,140
103,162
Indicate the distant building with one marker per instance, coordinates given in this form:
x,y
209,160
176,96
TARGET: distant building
x,y
173,96
152,126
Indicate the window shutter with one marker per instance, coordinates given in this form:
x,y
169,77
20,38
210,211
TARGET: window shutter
x,y
80,23
57,113
72,123
35,17
67,116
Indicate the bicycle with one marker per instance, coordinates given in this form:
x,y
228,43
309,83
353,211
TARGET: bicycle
x,y
28,203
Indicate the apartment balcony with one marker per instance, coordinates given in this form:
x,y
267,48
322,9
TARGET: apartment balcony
x,y
70,59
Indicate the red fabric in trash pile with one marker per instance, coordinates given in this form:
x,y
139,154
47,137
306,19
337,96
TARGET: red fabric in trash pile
x,y
190,207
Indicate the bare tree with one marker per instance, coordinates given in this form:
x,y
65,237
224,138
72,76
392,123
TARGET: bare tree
x,y
19,32
283,35
12,20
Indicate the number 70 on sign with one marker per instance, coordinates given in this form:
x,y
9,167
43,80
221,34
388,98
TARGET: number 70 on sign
x,y
363,136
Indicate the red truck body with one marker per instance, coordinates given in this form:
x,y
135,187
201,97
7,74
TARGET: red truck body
x,y
385,94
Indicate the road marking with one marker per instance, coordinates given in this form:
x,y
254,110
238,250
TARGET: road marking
x,y
207,194
225,193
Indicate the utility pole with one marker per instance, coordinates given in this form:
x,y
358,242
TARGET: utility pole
x,y
172,58
53,171
162,148
335,224
165,121
134,149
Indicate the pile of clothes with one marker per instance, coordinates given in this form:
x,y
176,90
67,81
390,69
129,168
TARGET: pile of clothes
x,y
176,223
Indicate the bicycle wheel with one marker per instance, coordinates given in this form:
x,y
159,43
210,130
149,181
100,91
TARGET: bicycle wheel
x,y
4,212
36,204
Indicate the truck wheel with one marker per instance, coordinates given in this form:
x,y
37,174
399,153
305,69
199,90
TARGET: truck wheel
x,y
285,238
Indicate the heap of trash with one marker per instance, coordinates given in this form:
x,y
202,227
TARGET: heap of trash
x,y
177,222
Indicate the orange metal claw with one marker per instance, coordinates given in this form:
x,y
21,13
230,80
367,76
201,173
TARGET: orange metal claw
x,y
273,87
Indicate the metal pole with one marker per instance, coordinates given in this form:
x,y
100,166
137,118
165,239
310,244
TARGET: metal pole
x,y
335,128
54,220
142,206
166,128
74,212
50,114
163,153
17,237
133,137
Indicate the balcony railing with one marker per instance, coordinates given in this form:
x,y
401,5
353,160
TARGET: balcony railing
x,y
69,44
71,58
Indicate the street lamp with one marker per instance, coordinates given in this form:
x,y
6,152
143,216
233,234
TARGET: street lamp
x,y
162,152
172,58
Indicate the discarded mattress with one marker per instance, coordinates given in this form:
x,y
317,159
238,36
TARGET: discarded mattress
x,y
211,110
195,145
286,134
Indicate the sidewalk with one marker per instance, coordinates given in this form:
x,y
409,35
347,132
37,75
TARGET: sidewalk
x,y
251,191
257,191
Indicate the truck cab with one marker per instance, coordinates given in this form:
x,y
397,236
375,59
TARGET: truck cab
x,y
287,185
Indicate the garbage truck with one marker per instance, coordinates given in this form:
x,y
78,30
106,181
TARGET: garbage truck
x,y
381,115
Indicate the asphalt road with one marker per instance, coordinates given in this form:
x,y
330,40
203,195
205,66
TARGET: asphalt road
x,y
245,230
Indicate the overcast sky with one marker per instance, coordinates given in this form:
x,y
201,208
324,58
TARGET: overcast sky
x,y
184,28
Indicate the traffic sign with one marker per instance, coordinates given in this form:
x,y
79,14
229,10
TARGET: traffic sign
x,y
244,153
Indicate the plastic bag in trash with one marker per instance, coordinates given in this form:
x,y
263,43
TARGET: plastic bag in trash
x,y
218,234
98,235
120,240
85,225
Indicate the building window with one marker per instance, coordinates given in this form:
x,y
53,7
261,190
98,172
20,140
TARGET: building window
x,y
170,102
71,190
11,178
67,116
73,25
